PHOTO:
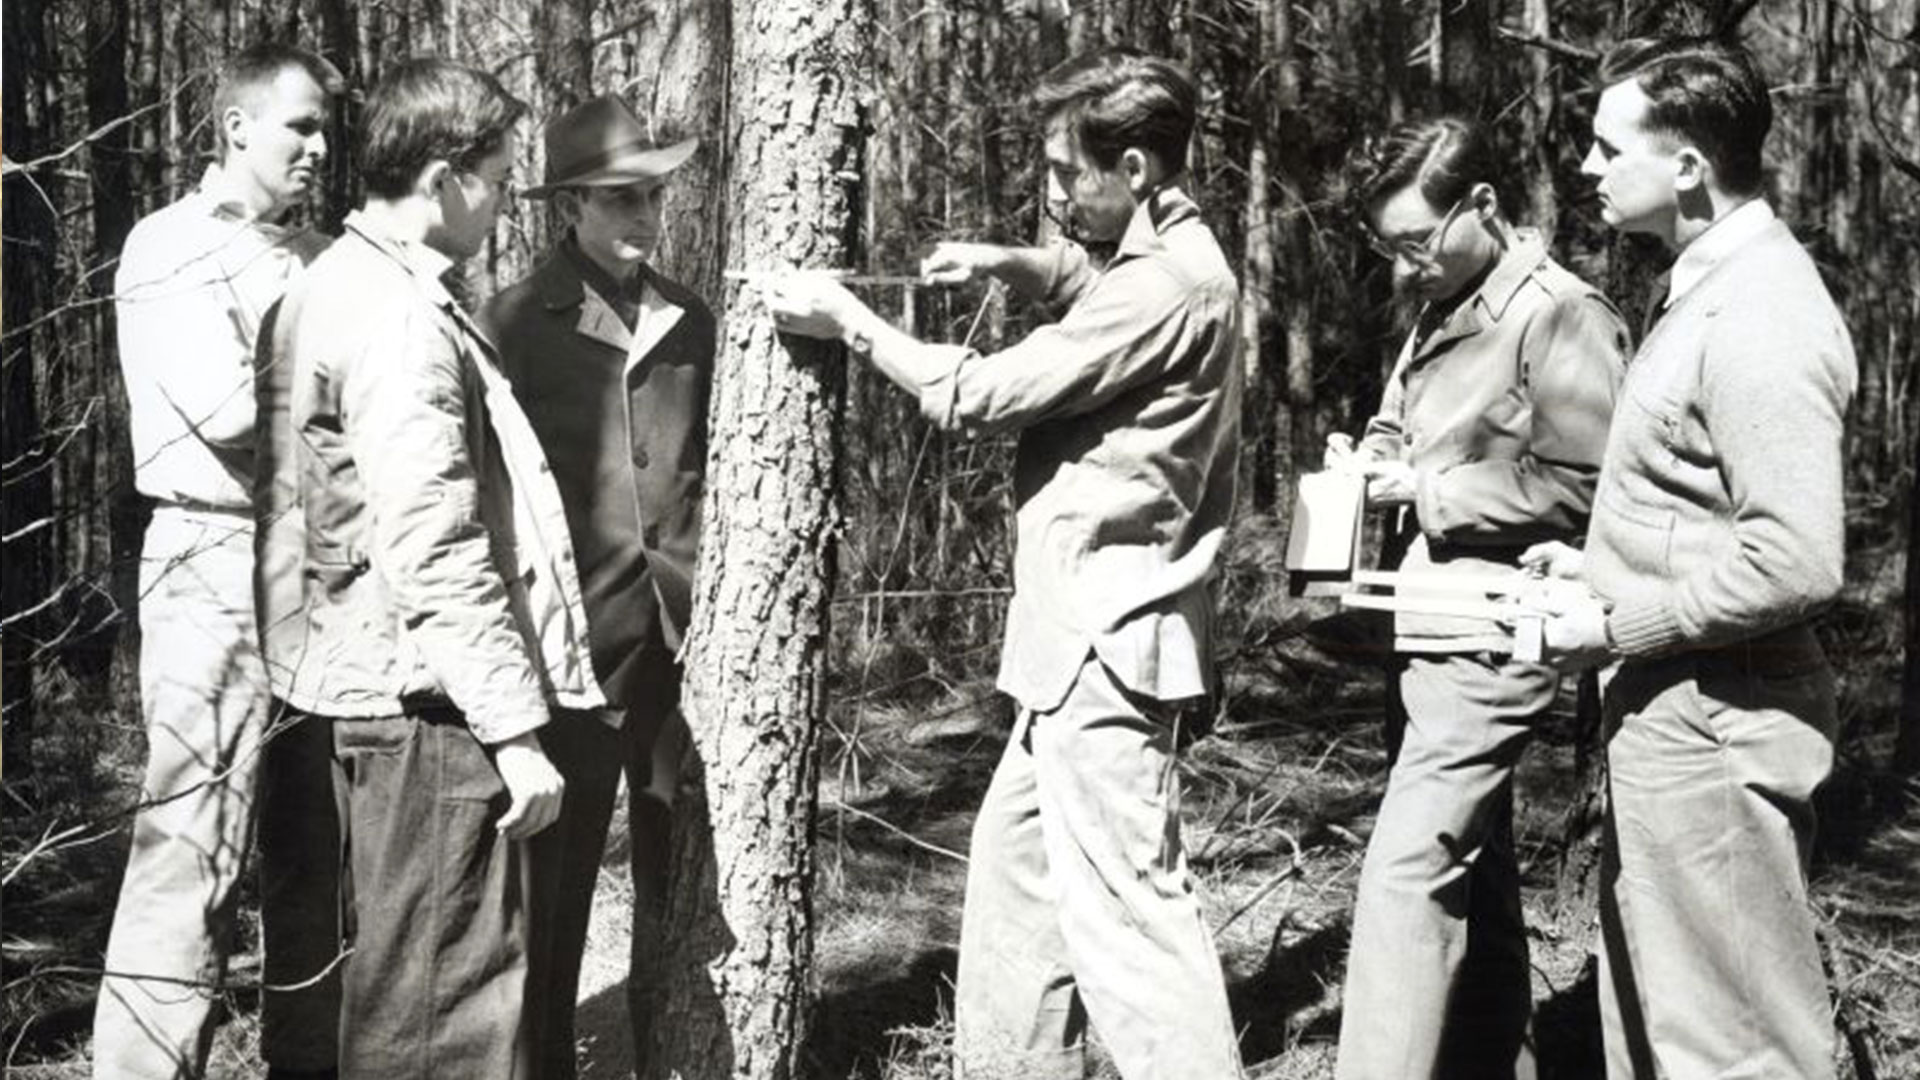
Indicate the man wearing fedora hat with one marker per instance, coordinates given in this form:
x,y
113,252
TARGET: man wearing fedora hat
x,y
612,363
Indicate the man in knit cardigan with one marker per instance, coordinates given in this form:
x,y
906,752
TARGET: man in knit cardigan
x,y
1716,536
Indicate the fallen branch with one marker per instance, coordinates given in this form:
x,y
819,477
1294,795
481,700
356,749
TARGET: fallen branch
x,y
898,831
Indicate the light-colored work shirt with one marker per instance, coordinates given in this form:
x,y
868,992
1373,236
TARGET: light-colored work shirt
x,y
1128,410
195,280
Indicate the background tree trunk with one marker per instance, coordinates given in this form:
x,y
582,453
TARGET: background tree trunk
x,y
1906,751
739,922
680,70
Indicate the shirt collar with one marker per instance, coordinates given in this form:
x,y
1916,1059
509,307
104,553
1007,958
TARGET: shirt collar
x,y
1157,213
218,188
1712,247
421,260
596,276
1522,257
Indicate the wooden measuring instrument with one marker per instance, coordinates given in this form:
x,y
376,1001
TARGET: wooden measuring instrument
x,y
1483,596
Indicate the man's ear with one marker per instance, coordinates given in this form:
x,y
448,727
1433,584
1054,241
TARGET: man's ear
x,y
1141,170
235,125
1691,169
1484,200
435,177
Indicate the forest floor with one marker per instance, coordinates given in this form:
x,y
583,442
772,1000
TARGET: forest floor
x,y
1278,802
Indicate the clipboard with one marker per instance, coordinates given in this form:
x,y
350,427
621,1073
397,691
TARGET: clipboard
x,y
1323,543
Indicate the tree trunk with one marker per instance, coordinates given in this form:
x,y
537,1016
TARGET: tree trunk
x,y
26,490
685,57
739,920
1258,280
1906,750
1543,209
1464,64
1295,432
563,59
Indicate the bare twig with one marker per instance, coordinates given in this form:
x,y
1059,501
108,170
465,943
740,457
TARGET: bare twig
x,y
898,831
1540,41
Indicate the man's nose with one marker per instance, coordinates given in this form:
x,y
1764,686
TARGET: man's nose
x,y
1590,165
1055,193
317,146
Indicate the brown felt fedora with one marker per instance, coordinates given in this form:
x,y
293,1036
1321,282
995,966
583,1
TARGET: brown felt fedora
x,y
602,143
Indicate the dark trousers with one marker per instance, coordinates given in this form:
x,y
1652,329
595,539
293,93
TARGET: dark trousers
x,y
566,860
435,908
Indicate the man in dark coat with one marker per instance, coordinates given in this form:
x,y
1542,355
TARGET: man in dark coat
x,y
613,364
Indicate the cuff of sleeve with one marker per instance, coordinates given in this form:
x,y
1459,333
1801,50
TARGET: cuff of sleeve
x,y
940,395
508,719
1428,507
1644,628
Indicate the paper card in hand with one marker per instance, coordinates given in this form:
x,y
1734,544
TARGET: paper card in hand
x,y
1324,545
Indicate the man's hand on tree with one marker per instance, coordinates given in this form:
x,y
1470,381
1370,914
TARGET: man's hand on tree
x,y
811,305
534,784
954,263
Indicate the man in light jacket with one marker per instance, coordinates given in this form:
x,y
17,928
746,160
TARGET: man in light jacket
x,y
613,363
1718,532
1488,438
423,601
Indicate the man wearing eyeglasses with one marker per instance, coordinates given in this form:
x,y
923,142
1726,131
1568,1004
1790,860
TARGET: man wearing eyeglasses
x,y
1488,438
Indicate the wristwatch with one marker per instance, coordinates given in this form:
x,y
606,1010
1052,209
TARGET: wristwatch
x,y
860,343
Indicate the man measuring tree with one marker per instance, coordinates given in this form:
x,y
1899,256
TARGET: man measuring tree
x,y
1079,904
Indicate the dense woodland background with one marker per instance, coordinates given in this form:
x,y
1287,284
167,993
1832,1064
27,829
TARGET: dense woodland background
x,y
105,120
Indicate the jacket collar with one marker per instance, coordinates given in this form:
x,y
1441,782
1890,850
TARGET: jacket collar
x,y
426,267
562,290
1151,221
1716,245
421,262
1495,294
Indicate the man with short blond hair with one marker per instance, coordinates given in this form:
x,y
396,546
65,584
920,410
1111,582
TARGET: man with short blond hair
x,y
195,283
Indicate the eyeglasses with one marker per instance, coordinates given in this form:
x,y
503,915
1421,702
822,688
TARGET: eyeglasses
x,y
1420,252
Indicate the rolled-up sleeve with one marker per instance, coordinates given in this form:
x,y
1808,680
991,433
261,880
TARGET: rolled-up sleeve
x,y
1124,331
406,420
1573,356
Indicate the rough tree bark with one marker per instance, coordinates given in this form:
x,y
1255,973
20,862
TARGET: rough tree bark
x,y
739,921
563,60
682,69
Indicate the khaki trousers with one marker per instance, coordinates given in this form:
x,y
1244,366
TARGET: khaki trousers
x,y
1709,964
1079,905
203,694
1438,983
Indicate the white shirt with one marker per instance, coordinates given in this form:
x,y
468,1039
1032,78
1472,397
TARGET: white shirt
x,y
194,282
